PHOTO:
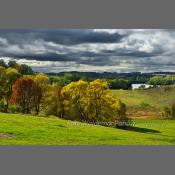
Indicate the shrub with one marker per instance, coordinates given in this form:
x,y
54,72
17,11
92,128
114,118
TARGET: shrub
x,y
123,120
169,112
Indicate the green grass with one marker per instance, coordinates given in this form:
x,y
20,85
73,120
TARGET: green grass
x,y
33,130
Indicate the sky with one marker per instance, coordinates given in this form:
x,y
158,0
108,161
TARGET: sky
x,y
96,50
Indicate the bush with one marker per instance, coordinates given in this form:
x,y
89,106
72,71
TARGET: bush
x,y
123,120
169,112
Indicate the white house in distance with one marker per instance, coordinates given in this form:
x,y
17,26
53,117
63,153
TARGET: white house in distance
x,y
141,86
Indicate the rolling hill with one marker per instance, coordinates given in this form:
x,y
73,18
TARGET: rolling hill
x,y
147,103
18,129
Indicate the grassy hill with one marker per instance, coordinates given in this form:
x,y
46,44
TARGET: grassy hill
x,y
147,103
17,129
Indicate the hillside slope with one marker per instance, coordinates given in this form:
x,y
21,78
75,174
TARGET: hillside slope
x,y
17,129
147,103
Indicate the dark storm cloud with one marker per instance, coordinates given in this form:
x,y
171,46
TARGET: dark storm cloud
x,y
64,37
44,57
19,38
127,50
132,53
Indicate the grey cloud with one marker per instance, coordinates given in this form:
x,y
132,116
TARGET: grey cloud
x,y
120,50
60,36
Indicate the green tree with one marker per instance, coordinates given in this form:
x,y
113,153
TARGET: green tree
x,y
2,63
25,69
12,64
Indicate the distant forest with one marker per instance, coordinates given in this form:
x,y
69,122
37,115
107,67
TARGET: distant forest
x,y
116,80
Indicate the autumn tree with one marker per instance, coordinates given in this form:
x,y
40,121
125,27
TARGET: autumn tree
x,y
77,101
2,81
93,101
56,102
97,92
11,76
113,110
42,81
7,77
42,93
104,105
75,95
37,98
24,90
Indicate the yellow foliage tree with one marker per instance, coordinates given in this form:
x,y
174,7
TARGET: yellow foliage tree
x,y
97,91
75,95
11,76
93,101
43,91
55,102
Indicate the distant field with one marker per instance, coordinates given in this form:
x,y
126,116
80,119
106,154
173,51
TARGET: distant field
x,y
17,129
146,103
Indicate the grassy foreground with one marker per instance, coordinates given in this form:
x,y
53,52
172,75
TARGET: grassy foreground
x,y
17,129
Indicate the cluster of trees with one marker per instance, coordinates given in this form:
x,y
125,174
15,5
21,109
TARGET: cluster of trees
x,y
135,77
22,68
7,78
67,78
9,73
29,93
120,84
162,80
116,80
115,83
92,102
79,100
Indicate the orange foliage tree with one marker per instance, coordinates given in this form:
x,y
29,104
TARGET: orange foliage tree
x,y
25,93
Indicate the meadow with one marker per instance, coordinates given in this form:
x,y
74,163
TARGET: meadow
x,y
18,129
148,103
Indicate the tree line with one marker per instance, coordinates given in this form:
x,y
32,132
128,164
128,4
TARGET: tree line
x,y
162,80
121,81
22,68
79,100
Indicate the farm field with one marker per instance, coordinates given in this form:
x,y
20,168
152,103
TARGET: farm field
x,y
147,103
18,129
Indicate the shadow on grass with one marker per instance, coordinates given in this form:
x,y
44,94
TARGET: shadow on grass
x,y
141,130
